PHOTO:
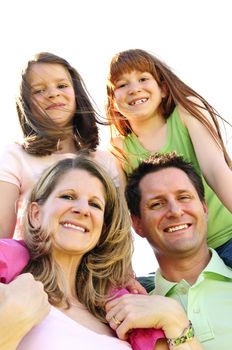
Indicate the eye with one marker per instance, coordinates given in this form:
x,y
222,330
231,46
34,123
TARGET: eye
x,y
68,197
156,205
120,85
143,79
62,86
38,91
185,197
96,205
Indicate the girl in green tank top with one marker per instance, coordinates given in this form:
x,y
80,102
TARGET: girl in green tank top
x,y
151,110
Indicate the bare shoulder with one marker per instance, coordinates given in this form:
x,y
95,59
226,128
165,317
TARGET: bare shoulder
x,y
187,118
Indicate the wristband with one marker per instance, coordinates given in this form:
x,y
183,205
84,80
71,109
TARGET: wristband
x,y
186,335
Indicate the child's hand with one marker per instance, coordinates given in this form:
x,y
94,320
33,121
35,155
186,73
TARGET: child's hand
x,y
134,287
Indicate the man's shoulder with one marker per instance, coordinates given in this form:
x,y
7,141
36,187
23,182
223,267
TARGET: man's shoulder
x,y
148,282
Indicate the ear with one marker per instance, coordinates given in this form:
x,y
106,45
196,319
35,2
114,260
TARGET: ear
x,y
205,208
136,223
35,214
163,90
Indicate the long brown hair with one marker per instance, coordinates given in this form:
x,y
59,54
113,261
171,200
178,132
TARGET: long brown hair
x,y
176,92
107,265
41,137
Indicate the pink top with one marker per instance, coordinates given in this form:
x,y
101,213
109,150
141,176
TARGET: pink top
x,y
59,332
14,257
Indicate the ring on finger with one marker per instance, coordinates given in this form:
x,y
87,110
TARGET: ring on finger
x,y
116,321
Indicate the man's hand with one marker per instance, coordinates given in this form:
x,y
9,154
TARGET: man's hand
x,y
145,311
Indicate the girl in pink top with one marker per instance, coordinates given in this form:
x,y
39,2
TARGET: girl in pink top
x,y
58,120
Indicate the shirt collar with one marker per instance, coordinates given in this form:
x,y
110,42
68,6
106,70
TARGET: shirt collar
x,y
215,266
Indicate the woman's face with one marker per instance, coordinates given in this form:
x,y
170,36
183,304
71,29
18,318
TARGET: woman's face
x,y
52,93
73,213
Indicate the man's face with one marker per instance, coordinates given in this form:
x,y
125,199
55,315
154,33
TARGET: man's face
x,y
173,219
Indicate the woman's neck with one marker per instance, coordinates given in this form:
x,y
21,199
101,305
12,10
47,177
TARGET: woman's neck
x,y
68,265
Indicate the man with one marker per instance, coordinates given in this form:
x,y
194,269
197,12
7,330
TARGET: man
x,y
166,200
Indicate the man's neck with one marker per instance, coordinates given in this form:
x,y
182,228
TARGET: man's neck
x,y
174,269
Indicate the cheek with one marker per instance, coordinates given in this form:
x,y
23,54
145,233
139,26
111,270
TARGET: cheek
x,y
37,108
118,96
100,221
99,225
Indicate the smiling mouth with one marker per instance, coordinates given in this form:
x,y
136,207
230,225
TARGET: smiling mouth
x,y
138,102
176,228
75,227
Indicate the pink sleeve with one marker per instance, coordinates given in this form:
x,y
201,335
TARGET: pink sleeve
x,y
142,338
14,256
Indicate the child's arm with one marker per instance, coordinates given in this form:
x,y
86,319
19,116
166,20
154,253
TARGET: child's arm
x,y
116,148
8,208
210,157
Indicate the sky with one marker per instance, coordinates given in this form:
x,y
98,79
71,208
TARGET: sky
x,y
192,36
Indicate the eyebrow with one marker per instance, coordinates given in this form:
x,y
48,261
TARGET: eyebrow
x,y
160,195
71,190
57,81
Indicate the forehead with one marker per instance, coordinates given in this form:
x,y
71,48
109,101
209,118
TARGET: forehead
x,y
165,181
79,179
132,73
41,72
125,63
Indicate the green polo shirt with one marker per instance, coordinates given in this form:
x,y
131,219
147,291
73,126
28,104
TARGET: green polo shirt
x,y
208,302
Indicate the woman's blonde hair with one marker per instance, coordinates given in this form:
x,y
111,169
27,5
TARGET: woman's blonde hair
x,y
176,92
107,265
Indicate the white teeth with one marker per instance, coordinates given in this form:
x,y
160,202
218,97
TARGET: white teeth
x,y
74,227
137,102
176,228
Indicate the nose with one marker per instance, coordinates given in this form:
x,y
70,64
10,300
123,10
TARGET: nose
x,y
134,87
52,92
81,207
174,209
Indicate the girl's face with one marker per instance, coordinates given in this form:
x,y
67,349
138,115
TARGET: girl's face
x,y
73,213
52,93
137,95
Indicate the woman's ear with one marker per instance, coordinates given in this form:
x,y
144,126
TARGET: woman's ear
x,y
35,214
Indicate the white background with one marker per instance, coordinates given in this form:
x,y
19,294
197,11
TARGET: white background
x,y
193,37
